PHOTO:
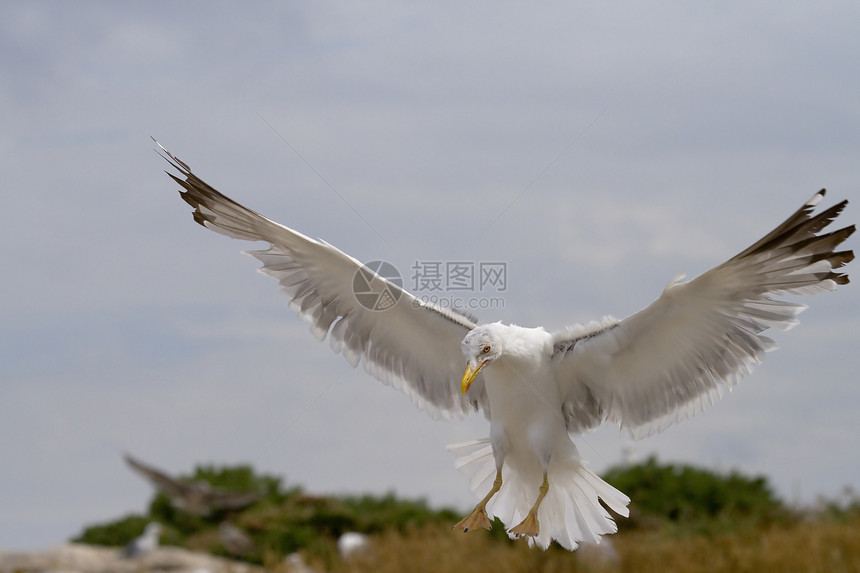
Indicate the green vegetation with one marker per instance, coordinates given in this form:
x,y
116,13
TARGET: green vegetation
x,y
682,519
284,521
687,500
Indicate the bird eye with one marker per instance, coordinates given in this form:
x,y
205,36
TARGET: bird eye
x,y
485,350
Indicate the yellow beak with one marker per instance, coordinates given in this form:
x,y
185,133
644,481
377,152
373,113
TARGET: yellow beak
x,y
469,376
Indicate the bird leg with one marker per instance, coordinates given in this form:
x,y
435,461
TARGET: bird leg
x,y
478,517
530,526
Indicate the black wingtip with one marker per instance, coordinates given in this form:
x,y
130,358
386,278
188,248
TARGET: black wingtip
x,y
177,163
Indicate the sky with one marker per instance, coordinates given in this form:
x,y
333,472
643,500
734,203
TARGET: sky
x,y
594,150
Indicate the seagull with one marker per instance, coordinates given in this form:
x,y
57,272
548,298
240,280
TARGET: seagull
x,y
236,541
352,543
144,544
195,497
539,388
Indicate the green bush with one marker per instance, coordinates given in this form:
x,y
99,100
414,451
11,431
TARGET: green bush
x,y
284,521
118,533
694,499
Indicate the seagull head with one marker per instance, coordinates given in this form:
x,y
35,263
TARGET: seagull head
x,y
481,347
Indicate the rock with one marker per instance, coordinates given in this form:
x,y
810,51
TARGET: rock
x,y
296,564
79,558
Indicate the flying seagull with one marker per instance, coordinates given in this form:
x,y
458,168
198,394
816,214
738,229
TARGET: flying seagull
x,y
538,388
196,497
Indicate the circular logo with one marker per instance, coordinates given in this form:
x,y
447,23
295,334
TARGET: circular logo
x,y
377,285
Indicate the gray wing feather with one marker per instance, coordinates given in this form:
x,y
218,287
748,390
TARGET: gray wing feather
x,y
412,346
670,360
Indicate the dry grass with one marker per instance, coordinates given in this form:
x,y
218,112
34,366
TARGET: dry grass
x,y
805,547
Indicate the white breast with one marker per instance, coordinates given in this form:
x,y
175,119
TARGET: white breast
x,y
525,404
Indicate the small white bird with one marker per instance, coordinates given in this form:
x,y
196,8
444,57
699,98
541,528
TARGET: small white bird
x,y
538,388
352,543
144,544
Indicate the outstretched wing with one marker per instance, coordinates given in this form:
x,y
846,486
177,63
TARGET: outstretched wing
x,y
407,343
220,499
668,361
159,479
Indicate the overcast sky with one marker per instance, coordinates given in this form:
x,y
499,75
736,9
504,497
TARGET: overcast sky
x,y
595,149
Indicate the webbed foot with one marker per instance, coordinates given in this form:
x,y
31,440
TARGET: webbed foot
x,y
529,527
478,518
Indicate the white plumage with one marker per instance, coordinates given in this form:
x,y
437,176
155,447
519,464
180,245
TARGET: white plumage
x,y
658,366
146,543
352,543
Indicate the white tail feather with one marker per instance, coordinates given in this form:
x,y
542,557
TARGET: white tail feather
x,y
570,513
